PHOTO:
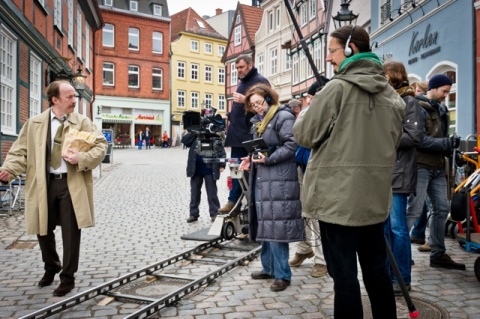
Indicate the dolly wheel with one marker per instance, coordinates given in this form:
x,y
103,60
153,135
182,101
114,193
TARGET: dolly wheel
x,y
228,230
476,268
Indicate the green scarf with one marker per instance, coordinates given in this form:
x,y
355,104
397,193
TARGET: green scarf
x,y
364,55
262,125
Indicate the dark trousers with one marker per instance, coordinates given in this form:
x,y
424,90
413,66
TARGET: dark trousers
x,y
341,245
61,212
236,191
196,182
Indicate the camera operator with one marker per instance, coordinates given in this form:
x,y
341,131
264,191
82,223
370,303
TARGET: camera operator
x,y
199,171
274,211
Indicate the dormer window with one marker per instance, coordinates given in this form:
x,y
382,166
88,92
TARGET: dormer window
x,y
157,10
133,5
201,24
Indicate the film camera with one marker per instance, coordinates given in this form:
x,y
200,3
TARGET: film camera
x,y
209,129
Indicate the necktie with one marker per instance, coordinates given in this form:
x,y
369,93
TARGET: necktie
x,y
56,158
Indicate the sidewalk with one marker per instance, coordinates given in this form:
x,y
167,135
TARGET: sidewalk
x,y
141,204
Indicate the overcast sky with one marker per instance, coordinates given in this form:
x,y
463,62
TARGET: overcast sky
x,y
204,7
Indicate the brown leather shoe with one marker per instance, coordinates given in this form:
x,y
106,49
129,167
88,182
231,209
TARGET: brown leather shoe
x,y
227,208
425,248
261,275
279,285
48,278
319,270
298,259
64,288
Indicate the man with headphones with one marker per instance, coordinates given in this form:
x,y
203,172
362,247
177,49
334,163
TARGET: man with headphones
x,y
239,121
353,127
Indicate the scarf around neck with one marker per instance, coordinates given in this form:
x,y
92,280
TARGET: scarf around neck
x,y
262,125
359,56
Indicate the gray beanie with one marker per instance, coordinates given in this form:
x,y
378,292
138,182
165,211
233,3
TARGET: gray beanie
x,y
438,80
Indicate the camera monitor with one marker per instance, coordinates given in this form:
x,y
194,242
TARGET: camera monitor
x,y
191,121
255,145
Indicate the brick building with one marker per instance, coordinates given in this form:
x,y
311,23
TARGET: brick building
x,y
133,89
39,40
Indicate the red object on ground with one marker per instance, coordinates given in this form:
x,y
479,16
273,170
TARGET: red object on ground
x,y
229,182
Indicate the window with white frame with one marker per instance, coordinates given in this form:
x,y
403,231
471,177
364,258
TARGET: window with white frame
x,y
181,98
108,3
317,54
288,61
157,42
133,76
57,14
35,85
221,75
79,33
157,79
208,100
303,66
277,17
261,64
108,35
181,70
194,100
237,35
238,19
133,5
270,21
70,23
201,24
303,14
108,74
208,73
157,10
233,74
8,79
133,39
208,48
307,65
221,50
221,102
312,9
295,71
194,72
194,45
273,61
87,46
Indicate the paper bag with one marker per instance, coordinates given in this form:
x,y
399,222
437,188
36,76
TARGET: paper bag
x,y
81,141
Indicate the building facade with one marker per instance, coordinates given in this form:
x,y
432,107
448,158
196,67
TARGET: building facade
x,y
198,75
271,59
426,36
41,41
133,89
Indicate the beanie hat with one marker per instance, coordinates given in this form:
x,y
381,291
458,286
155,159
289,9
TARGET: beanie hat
x,y
315,87
438,80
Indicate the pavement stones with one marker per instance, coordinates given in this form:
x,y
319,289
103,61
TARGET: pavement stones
x,y
141,204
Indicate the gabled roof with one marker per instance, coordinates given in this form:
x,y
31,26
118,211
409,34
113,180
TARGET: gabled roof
x,y
252,18
189,21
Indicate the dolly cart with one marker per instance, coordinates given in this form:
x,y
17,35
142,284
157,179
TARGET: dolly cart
x,y
235,221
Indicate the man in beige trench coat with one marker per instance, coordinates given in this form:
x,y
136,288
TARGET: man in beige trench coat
x,y
56,196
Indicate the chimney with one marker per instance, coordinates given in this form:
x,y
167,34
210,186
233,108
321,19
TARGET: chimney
x,y
218,11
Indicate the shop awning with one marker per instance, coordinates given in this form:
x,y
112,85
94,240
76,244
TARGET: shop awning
x,y
121,121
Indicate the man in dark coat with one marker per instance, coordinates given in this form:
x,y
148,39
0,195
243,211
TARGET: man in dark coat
x,y
240,126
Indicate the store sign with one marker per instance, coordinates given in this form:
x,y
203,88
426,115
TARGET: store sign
x,y
117,116
428,41
149,117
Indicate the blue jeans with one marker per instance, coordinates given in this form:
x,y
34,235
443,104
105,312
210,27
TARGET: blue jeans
x,y
396,232
341,246
418,230
274,257
236,191
434,184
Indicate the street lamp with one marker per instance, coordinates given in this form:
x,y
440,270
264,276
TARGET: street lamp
x,y
78,82
344,16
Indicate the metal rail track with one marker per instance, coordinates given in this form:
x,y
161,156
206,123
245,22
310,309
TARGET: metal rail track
x,y
154,305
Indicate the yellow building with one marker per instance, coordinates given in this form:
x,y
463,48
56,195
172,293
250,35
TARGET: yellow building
x,y
197,73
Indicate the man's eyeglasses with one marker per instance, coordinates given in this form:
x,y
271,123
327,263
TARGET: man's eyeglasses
x,y
332,51
256,104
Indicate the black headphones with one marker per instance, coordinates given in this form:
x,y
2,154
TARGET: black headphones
x,y
348,50
268,99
